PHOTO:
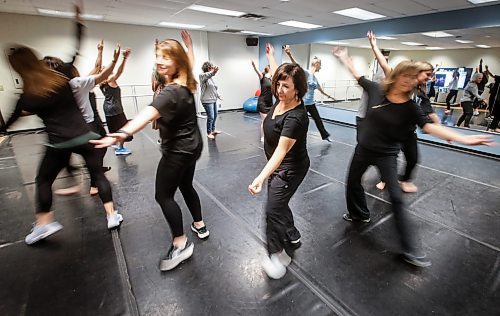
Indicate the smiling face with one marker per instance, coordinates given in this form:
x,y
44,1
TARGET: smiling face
x,y
423,76
286,90
165,65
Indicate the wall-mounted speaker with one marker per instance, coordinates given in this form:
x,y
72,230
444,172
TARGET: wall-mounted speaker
x,y
252,41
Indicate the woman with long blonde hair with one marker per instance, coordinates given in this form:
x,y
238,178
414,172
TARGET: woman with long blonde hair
x,y
49,95
174,109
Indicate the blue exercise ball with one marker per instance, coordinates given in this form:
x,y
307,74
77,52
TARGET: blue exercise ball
x,y
250,105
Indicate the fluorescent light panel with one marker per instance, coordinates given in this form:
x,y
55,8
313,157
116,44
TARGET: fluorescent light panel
x,y
337,43
360,14
386,38
412,44
480,1
464,41
255,33
181,25
434,48
483,46
213,10
300,25
437,34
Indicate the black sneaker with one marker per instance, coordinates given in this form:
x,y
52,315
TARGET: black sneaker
x,y
293,235
348,217
175,256
202,233
418,261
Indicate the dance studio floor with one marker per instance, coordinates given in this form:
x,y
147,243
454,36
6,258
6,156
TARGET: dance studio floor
x,y
341,268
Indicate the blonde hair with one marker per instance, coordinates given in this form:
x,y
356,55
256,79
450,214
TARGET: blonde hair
x,y
184,75
315,60
404,67
424,66
38,79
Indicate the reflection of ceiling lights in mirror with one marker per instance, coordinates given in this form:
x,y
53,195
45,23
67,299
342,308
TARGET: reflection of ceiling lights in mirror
x,y
434,48
213,10
386,38
483,46
412,44
480,1
464,41
68,14
255,33
181,25
337,43
360,14
437,34
300,25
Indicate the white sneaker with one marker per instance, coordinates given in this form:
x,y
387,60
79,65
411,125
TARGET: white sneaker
x,y
284,258
273,267
175,256
476,113
40,232
114,220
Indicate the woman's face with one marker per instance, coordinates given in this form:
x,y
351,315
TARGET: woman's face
x,y
479,78
406,82
286,90
165,65
317,66
423,76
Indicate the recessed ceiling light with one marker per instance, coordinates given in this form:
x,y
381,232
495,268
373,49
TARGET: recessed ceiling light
x,y
437,34
213,10
68,14
337,43
434,48
480,1
255,33
464,41
181,25
301,25
412,44
360,14
386,38
483,46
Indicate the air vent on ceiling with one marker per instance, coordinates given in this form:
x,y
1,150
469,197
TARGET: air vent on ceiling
x,y
251,16
231,31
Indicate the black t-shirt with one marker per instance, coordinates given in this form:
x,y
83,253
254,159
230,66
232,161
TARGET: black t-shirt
x,y
292,124
178,123
266,95
59,112
423,101
388,124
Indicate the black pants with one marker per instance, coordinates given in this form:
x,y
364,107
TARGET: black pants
x,y
317,120
177,171
55,160
359,122
494,123
355,194
410,150
281,186
467,115
451,95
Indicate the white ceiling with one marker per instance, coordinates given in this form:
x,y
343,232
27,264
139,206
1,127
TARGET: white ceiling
x,y
151,12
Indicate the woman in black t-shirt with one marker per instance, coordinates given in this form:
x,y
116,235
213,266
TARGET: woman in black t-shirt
x,y
285,134
49,95
265,101
390,120
174,110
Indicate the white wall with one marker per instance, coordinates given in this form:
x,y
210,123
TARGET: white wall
x,y
54,36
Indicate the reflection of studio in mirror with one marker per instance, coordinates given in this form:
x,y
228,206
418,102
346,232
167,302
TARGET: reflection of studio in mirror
x,y
457,56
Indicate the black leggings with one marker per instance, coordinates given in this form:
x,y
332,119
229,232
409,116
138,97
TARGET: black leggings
x,y
317,120
451,95
410,150
55,160
281,186
467,115
177,171
355,194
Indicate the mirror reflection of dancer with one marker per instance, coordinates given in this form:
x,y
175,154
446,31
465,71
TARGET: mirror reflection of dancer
x,y
285,136
175,111
494,102
453,91
390,120
113,108
48,94
265,101
471,95
312,85
209,96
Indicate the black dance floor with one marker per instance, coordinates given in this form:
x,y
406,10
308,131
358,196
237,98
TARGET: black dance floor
x,y
341,268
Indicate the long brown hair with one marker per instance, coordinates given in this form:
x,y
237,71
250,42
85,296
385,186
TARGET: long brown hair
x,y
174,50
404,67
38,79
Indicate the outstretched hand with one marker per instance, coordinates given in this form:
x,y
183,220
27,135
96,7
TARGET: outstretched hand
x,y
371,38
186,38
269,49
100,45
287,49
475,140
116,52
126,52
340,52
104,142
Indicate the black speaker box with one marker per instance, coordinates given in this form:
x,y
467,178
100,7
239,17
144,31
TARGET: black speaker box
x,y
252,41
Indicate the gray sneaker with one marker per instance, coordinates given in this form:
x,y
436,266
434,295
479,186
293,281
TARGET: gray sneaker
x,y
40,232
420,261
175,256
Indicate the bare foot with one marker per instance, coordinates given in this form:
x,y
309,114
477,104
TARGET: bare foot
x,y
211,136
408,187
216,132
94,191
380,185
